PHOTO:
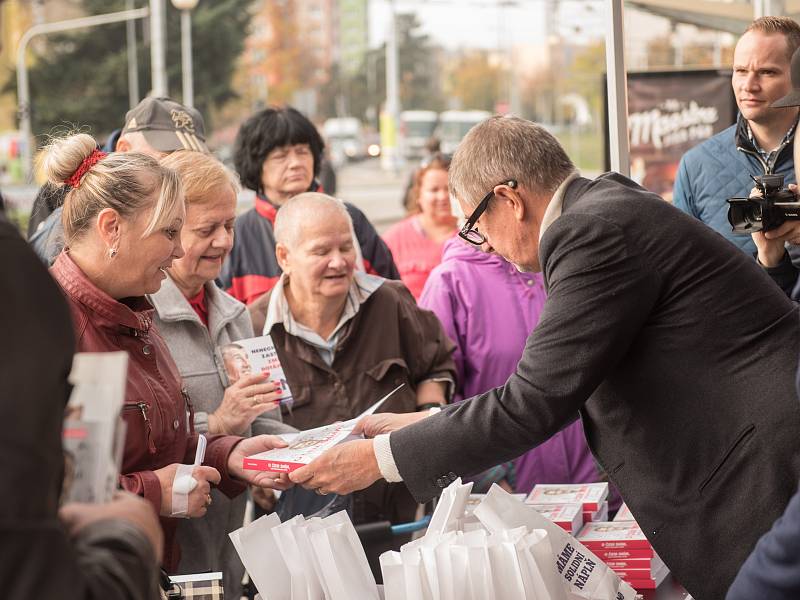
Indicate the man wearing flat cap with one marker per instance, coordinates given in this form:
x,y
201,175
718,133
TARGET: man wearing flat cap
x,y
155,126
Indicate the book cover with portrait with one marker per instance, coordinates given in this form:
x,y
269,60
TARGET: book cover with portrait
x,y
590,495
607,535
254,355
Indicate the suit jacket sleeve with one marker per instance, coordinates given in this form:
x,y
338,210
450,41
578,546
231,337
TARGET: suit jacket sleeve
x,y
600,294
772,571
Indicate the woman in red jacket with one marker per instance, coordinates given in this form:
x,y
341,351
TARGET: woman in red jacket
x,y
122,223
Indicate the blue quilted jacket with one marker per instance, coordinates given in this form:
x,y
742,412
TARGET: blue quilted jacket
x,y
718,169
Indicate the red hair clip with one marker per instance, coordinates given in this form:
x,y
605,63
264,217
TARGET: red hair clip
x,y
87,163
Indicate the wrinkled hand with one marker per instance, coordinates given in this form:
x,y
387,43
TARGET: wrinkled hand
x,y
343,469
198,498
125,507
379,423
264,497
243,401
254,445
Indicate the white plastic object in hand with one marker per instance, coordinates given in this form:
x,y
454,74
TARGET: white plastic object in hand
x,y
200,453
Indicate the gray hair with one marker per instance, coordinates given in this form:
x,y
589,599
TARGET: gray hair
x,y
302,209
503,148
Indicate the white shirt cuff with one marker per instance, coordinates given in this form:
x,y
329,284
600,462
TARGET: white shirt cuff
x,y
383,454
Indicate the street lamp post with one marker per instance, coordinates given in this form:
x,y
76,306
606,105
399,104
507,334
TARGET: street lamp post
x,y
23,91
186,7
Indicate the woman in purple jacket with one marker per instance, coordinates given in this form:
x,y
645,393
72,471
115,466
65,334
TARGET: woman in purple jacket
x,y
488,308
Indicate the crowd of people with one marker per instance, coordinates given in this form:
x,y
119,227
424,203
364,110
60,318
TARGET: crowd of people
x,y
545,328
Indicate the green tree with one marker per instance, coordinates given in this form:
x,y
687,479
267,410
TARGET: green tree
x,y
474,81
418,70
81,78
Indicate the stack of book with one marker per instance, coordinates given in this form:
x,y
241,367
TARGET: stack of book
x,y
624,548
593,498
624,514
567,516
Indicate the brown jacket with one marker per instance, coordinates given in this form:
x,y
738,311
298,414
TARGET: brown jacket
x,y
388,342
159,433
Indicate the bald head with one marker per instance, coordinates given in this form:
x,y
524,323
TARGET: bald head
x,y
305,213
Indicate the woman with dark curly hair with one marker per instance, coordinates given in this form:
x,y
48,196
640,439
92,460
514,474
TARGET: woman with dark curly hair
x,y
278,154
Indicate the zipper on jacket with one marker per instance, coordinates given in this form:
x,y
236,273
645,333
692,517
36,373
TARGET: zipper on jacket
x,y
142,406
187,401
764,166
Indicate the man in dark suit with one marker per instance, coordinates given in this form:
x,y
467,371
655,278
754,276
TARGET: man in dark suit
x,y
677,350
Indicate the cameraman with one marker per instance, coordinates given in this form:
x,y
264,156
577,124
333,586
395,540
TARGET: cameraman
x,y
771,245
760,141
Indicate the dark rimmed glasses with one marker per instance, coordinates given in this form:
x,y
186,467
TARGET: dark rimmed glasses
x,y
468,232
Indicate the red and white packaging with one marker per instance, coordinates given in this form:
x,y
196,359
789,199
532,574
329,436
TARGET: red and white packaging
x,y
600,514
567,516
647,565
590,495
646,583
625,554
608,535
624,514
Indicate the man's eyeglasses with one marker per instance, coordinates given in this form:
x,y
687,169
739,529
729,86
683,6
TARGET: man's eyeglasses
x,y
468,232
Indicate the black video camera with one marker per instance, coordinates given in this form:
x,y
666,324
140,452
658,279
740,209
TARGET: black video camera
x,y
764,212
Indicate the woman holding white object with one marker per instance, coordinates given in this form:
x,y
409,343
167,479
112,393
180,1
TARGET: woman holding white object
x,y
195,318
122,221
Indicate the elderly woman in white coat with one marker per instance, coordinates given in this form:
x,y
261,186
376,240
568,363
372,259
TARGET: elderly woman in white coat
x,y
195,317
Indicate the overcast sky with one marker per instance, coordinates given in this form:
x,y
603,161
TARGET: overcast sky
x,y
483,23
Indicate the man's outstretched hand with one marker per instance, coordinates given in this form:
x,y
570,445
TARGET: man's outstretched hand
x,y
343,469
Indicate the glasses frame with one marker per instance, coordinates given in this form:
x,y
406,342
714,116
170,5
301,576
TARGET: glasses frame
x,y
468,231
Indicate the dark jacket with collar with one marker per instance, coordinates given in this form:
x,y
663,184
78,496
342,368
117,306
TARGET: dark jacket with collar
x,y
772,571
156,407
389,341
720,168
108,559
680,354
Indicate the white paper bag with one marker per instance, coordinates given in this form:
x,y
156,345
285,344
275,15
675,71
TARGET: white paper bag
x,y
507,578
394,585
304,582
342,560
416,581
450,507
262,558
583,575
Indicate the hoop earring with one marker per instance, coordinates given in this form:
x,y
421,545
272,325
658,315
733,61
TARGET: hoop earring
x,y
112,252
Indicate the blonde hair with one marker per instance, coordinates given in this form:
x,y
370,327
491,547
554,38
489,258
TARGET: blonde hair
x,y
122,182
771,25
200,174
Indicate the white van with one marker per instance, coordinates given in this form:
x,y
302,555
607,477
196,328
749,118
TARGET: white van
x,y
454,125
345,139
416,128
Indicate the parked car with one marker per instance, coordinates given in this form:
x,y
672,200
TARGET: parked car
x,y
345,138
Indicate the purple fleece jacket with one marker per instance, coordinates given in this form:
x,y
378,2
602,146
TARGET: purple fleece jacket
x,y
488,309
